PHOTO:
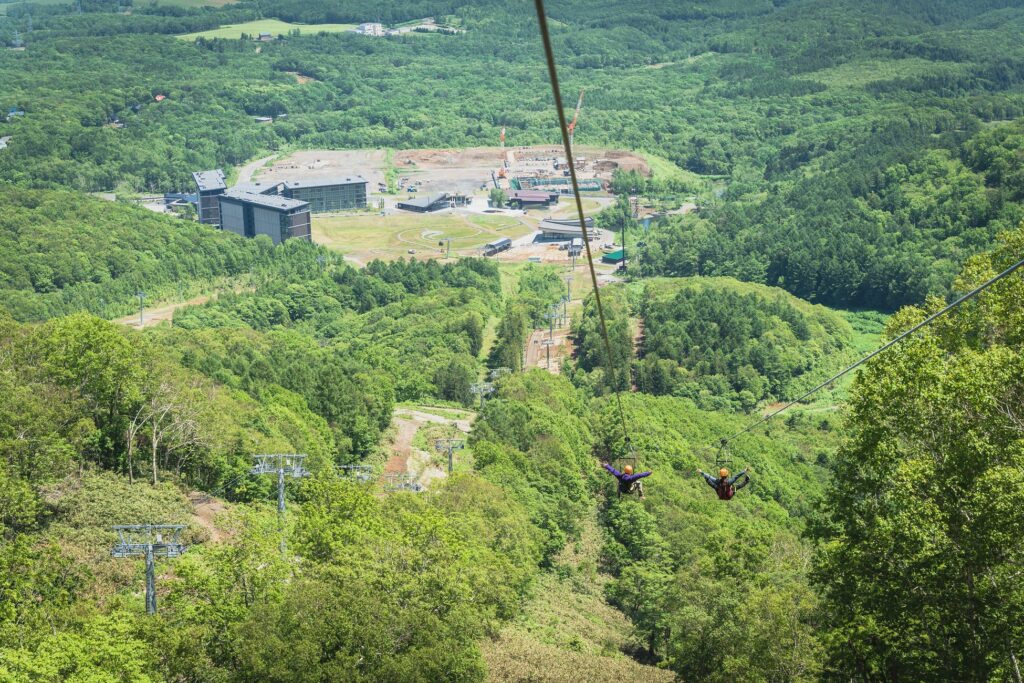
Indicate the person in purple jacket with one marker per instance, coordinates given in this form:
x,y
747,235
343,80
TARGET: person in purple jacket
x,y
628,482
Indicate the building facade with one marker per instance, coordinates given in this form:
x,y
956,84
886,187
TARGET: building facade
x,y
209,185
279,218
333,194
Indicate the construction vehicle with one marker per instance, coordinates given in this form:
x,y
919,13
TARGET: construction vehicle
x,y
575,118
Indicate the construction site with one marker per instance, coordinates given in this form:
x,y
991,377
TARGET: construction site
x,y
431,203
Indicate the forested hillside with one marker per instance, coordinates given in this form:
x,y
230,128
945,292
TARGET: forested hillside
x,y
825,174
823,116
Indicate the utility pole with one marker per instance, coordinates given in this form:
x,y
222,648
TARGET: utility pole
x,y
450,445
482,389
446,241
280,464
568,296
149,541
142,296
16,42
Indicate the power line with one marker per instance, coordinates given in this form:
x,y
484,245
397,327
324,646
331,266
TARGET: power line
x,y
966,297
556,91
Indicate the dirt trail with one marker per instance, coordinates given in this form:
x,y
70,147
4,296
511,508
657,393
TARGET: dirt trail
x,y
165,312
205,509
246,173
406,458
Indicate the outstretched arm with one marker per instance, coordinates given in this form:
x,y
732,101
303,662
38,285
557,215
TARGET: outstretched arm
x,y
737,477
712,482
746,480
634,477
611,469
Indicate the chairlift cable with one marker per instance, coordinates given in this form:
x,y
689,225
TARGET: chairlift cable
x,y
556,91
969,295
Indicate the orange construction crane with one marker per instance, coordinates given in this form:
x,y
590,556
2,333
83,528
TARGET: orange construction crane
x,y
572,126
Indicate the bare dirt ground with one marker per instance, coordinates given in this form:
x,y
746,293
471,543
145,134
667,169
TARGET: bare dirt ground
x,y
318,164
205,510
165,312
441,170
160,314
406,458
536,350
246,173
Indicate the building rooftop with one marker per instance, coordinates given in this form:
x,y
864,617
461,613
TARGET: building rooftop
x,y
323,182
210,180
255,188
269,201
568,222
424,202
532,195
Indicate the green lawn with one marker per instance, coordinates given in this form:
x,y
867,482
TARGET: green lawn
x,y
861,73
375,236
184,3
272,26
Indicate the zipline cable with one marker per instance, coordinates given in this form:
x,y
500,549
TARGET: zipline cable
x,y
556,91
969,295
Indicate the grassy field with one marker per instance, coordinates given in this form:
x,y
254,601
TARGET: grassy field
x,y
272,26
861,73
578,637
369,236
185,3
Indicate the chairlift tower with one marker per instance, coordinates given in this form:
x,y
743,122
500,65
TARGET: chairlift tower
x,y
450,446
150,541
142,297
551,316
447,241
401,481
482,389
360,473
498,373
547,344
16,41
281,464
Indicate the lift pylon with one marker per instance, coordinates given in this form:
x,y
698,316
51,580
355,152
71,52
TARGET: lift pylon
x,y
150,541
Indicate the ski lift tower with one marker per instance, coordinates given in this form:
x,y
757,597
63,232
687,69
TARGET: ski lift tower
x,y
150,541
281,464
482,389
450,446
547,344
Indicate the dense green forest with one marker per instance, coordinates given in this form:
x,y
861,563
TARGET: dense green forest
x,y
822,116
846,161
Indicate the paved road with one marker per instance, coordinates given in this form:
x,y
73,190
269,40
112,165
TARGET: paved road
x,y
246,173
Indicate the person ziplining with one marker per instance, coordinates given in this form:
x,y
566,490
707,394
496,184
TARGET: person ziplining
x,y
628,482
724,485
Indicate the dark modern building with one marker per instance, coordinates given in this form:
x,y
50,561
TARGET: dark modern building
x,y
434,202
249,214
552,229
497,246
526,199
329,194
210,184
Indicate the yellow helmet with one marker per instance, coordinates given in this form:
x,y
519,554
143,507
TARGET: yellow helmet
x,y
628,469
723,473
